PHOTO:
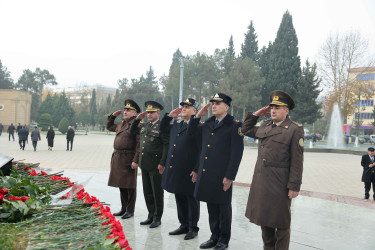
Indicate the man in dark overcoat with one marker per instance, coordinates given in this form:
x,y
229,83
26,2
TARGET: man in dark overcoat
x,y
221,153
182,157
35,137
368,175
124,159
11,129
69,138
153,154
22,137
278,171
1,128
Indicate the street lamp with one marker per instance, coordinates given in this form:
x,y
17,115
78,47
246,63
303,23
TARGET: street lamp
x,y
181,78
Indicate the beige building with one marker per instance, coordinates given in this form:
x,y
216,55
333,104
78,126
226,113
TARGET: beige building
x,y
15,106
76,96
364,110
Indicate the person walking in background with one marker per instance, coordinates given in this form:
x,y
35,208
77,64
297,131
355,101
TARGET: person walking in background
x,y
35,137
69,138
22,137
368,175
19,127
50,137
11,129
1,128
278,171
124,161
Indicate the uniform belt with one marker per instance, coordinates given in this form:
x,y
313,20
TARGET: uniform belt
x,y
123,151
275,164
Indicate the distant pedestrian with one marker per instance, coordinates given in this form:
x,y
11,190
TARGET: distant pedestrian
x,y
11,129
19,127
1,128
22,137
368,175
69,138
50,137
35,136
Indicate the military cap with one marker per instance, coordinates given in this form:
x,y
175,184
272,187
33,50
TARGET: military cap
x,y
281,98
371,149
153,106
190,102
130,104
220,97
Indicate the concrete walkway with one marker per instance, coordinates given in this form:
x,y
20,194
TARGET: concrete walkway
x,y
338,219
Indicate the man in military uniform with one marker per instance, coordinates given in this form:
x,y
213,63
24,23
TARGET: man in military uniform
x,y
124,160
153,154
368,175
278,170
221,154
182,157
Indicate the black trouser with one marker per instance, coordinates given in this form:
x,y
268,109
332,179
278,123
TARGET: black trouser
x,y
154,194
128,197
368,186
11,134
275,239
220,218
67,144
187,211
22,144
34,144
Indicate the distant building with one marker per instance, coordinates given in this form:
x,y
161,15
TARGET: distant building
x,y
364,110
15,106
80,94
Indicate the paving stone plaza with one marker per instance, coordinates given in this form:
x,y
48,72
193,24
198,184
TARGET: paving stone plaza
x,y
330,212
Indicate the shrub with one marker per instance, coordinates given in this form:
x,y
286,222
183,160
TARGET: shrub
x,y
63,125
45,121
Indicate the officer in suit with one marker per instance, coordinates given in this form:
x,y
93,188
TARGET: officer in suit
x,y
278,171
368,175
124,159
153,154
221,153
183,155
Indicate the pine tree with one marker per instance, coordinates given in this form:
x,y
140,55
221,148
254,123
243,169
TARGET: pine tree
x,y
284,64
229,57
46,106
250,46
5,81
307,110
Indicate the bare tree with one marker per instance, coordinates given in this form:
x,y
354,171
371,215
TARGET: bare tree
x,y
337,56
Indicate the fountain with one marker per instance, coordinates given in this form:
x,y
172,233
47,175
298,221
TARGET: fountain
x,y
335,132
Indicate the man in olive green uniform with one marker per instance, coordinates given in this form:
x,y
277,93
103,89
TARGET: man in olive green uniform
x,y
278,171
153,154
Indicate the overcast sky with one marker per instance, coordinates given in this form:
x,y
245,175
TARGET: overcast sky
x,y
100,42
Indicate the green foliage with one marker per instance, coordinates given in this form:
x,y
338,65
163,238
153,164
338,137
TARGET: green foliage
x,y
93,110
62,108
307,109
250,46
84,117
284,62
63,125
45,121
5,81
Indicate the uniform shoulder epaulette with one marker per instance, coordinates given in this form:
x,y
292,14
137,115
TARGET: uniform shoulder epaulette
x,y
298,124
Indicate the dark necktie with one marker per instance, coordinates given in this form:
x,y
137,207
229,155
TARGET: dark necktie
x,y
372,159
216,123
273,125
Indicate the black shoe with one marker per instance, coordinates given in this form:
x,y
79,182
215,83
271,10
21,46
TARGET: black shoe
x,y
179,231
220,246
190,235
67,150
146,222
127,215
155,224
120,213
208,244
367,196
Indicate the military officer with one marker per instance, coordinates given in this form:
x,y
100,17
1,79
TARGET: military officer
x,y
221,154
278,171
183,155
124,157
153,154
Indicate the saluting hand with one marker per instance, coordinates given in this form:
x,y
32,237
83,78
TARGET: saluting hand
x,y
263,111
193,176
134,165
161,169
227,183
117,113
292,194
203,110
141,116
175,113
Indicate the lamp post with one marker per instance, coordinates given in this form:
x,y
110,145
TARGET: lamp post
x,y
181,79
